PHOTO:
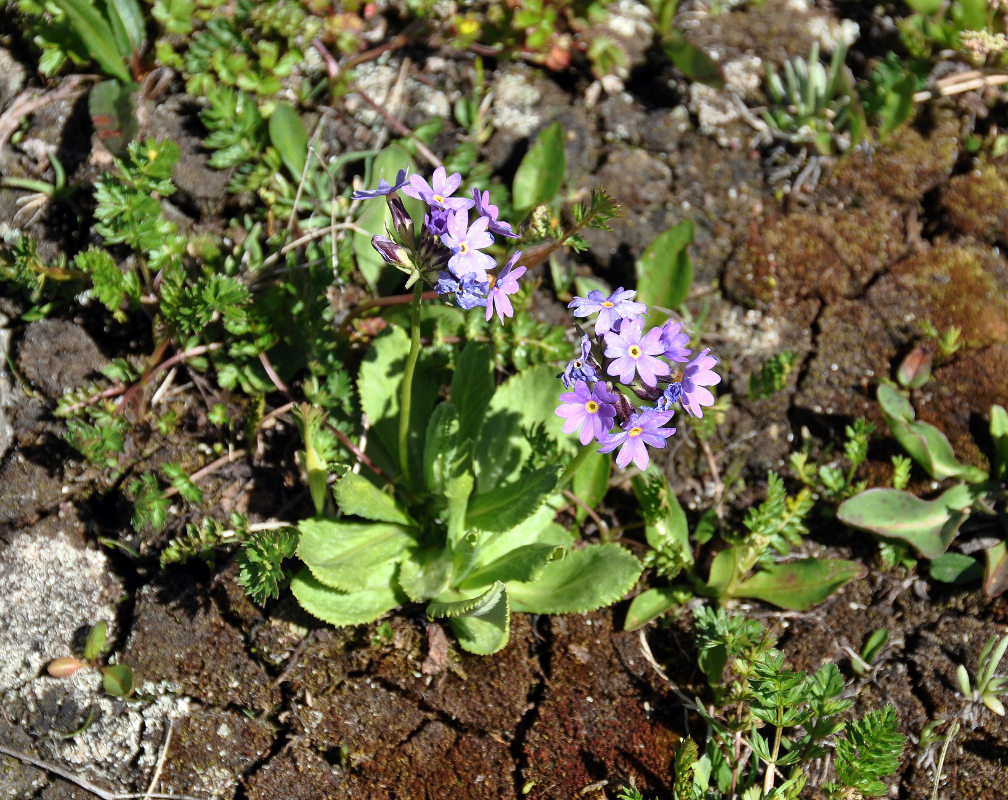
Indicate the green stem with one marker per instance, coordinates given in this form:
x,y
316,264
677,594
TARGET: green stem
x,y
574,466
771,771
406,398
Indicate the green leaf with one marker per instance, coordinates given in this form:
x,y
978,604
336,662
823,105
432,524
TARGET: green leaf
x,y
506,506
537,529
127,20
721,576
651,604
524,563
691,61
664,270
457,492
799,585
541,172
595,576
929,526
955,568
995,577
95,643
347,608
591,482
288,135
486,628
425,573
97,36
459,604
356,495
925,443
345,555
440,443
472,388
525,399
112,111
117,680
999,436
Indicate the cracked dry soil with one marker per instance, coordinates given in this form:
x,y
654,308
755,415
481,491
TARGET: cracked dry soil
x,y
270,704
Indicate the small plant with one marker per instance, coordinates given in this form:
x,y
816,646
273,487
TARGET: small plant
x,y
457,509
770,727
773,376
929,527
746,567
988,688
830,480
117,679
814,104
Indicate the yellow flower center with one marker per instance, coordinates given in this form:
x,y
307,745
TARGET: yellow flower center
x,y
607,304
439,199
636,430
634,351
464,248
591,407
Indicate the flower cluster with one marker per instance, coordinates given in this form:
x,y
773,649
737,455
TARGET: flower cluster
x,y
447,252
655,365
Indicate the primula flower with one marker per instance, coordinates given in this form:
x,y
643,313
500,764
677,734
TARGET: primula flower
x,y
671,396
696,376
506,283
469,291
674,341
580,368
465,243
485,209
591,410
643,429
618,305
384,187
633,353
438,193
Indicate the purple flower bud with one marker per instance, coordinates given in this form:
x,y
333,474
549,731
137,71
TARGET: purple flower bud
x,y
402,222
393,253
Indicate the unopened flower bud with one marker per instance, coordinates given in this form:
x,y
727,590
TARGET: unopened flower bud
x,y
393,253
64,667
401,220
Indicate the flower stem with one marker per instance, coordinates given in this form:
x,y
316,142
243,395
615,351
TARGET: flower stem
x,y
406,398
574,466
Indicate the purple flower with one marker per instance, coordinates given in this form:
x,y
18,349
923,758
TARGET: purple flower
x,y
465,243
469,291
671,396
438,193
633,353
505,283
674,341
485,209
696,376
436,221
580,369
642,429
384,187
610,309
591,410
